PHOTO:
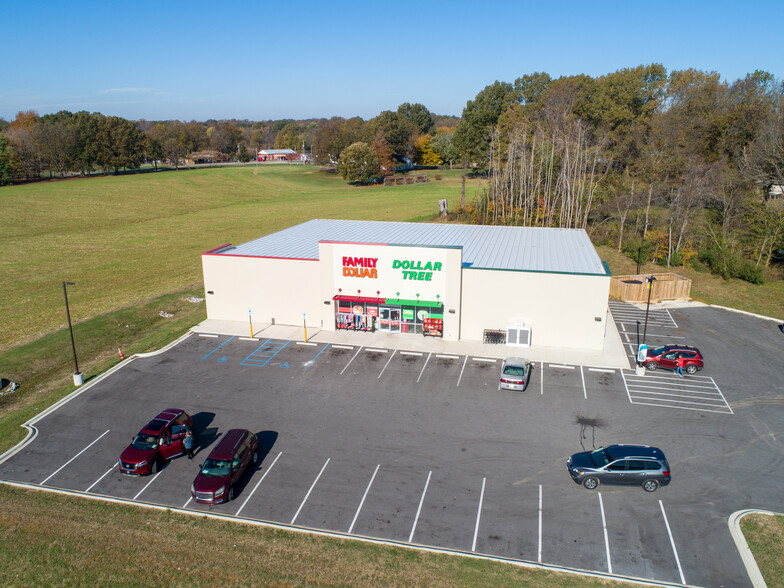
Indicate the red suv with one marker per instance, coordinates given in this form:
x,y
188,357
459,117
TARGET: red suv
x,y
667,357
224,467
159,440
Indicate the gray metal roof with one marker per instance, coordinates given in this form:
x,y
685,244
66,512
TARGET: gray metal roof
x,y
486,247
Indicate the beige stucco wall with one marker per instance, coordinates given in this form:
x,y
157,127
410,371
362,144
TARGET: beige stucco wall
x,y
280,289
559,308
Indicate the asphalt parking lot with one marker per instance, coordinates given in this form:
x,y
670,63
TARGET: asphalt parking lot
x,y
423,448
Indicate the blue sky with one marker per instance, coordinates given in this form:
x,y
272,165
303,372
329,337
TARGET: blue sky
x,y
272,60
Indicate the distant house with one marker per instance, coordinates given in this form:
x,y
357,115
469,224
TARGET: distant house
x,y
200,157
775,194
278,155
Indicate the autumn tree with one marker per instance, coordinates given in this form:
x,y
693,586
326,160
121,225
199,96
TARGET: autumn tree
x,y
424,153
6,161
359,163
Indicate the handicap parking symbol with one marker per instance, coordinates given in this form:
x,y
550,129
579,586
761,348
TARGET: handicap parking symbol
x,y
223,359
285,364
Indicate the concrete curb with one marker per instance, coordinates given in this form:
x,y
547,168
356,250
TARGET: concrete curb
x,y
759,316
743,547
346,536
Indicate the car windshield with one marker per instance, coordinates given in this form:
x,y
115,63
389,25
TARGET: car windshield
x,y
145,441
657,351
600,457
514,370
216,468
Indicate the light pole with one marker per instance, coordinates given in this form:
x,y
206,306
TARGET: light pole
x,y
650,280
78,377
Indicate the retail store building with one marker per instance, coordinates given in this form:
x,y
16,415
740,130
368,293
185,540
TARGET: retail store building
x,y
529,285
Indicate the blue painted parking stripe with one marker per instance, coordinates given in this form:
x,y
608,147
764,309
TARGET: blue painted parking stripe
x,y
218,347
265,355
312,361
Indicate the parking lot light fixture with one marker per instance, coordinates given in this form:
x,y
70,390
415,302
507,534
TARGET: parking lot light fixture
x,y
650,280
78,377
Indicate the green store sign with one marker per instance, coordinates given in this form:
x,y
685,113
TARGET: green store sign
x,y
417,270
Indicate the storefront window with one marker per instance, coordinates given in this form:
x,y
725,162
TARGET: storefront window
x,y
410,319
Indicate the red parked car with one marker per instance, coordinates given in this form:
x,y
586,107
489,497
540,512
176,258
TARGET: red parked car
x,y
225,466
158,441
667,357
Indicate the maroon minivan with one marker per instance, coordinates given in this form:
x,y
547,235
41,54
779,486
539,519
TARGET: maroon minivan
x,y
224,467
159,440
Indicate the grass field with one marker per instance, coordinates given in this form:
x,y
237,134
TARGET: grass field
x,y
132,244
765,536
131,238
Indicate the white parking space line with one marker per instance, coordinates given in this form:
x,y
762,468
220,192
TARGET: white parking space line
x,y
419,510
188,502
606,538
342,347
306,343
155,477
309,491
423,367
672,319
239,510
485,359
350,360
561,366
604,370
74,457
361,502
102,477
248,339
582,376
441,356
386,364
541,379
206,335
375,350
539,555
465,361
672,542
668,390
412,353
478,514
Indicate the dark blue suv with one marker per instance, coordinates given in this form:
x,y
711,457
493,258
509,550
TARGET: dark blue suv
x,y
633,465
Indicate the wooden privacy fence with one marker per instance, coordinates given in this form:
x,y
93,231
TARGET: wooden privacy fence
x,y
667,286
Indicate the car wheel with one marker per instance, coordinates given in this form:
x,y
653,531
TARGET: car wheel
x,y
590,483
231,494
154,467
652,365
650,485
691,369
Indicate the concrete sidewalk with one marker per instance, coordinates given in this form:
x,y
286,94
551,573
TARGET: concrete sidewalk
x,y
613,354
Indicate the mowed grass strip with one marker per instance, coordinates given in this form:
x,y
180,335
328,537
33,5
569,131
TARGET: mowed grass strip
x,y
50,539
129,238
765,536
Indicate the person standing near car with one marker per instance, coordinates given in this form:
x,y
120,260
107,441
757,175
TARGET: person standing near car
x,y
680,363
188,443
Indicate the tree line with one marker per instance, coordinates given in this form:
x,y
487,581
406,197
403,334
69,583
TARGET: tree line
x,y
52,145
675,167
671,167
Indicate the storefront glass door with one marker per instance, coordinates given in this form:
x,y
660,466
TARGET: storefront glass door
x,y
389,319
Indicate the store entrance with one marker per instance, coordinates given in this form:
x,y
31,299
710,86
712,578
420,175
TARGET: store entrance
x,y
389,319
